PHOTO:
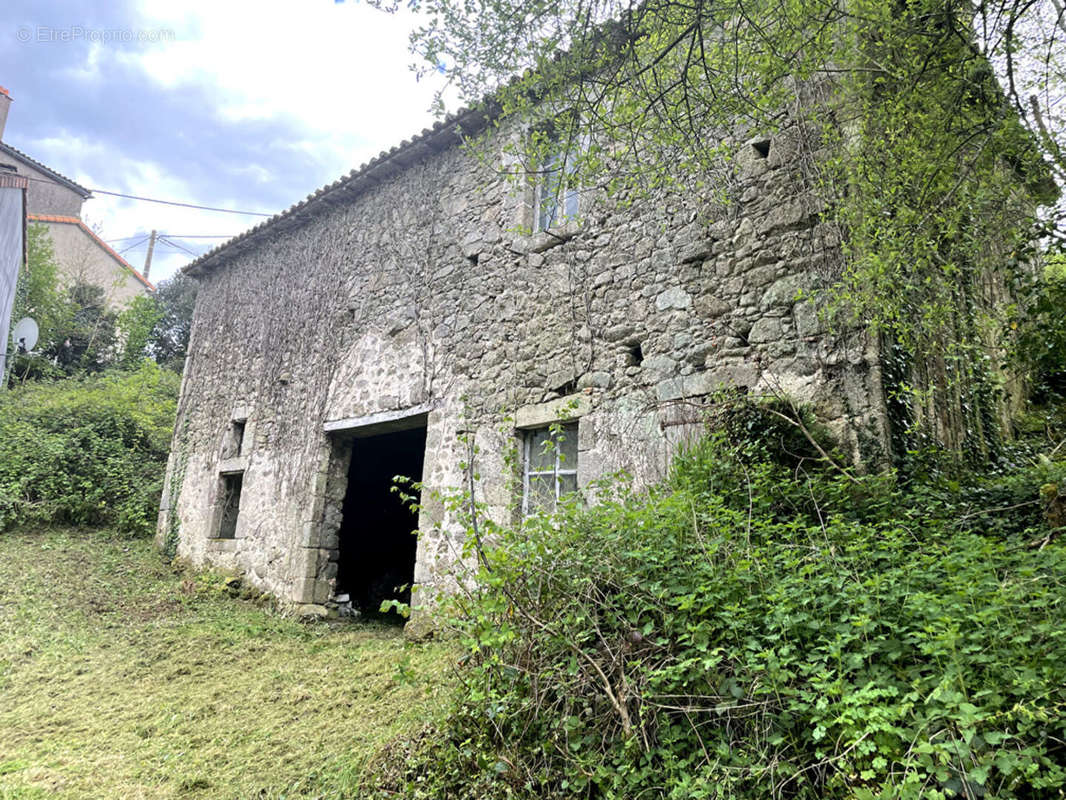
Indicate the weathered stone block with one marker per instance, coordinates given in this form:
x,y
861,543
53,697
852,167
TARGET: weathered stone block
x,y
785,291
672,389
599,380
806,318
673,298
564,408
311,611
765,329
696,251
707,305
732,375
660,363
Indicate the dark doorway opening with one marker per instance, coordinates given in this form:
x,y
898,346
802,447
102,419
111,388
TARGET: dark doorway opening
x,y
231,504
377,543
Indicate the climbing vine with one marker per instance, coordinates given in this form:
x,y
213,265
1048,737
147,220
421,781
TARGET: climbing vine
x,y
174,482
914,153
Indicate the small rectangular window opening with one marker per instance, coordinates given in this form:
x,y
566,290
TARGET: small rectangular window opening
x,y
237,435
549,467
230,503
556,192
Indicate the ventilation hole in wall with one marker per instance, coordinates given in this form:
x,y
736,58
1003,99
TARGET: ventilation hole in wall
x,y
567,388
472,259
634,355
762,149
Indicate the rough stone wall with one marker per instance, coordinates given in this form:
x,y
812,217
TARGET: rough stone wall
x,y
420,294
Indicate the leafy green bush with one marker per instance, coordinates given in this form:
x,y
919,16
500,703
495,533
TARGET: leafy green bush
x,y
1044,338
87,451
755,630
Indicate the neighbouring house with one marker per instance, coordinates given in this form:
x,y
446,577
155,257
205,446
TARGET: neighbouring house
x,y
12,250
55,201
424,311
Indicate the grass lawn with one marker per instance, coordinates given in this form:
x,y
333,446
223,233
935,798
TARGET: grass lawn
x,y
121,678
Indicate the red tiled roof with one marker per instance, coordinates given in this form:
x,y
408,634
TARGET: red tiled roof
x,y
89,232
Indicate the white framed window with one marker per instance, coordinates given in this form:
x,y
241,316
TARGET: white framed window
x,y
549,466
555,194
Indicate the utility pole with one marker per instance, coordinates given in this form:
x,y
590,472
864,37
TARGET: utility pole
x,y
148,258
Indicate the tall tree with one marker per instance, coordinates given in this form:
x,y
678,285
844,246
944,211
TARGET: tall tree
x,y
137,323
37,294
658,70
931,133
87,337
168,341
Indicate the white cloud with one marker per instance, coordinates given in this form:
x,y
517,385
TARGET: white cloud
x,y
337,73
341,69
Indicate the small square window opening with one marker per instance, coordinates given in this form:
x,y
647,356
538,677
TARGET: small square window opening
x,y
549,467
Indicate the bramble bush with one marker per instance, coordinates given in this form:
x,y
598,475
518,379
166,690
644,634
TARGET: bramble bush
x,y
88,450
761,626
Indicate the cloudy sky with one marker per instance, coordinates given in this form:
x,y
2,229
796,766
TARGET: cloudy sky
x,y
240,104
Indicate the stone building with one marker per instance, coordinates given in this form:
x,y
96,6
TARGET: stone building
x,y
424,305
55,201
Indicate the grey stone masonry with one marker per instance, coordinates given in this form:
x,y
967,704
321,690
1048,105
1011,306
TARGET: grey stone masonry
x,y
413,290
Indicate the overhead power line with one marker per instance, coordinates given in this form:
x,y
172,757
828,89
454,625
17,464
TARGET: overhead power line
x,y
203,236
173,236
165,202
181,205
136,244
176,246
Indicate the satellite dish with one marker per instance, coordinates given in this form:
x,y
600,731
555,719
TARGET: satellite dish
x,y
25,335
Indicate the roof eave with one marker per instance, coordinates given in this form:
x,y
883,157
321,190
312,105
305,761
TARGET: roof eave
x,y
37,165
444,134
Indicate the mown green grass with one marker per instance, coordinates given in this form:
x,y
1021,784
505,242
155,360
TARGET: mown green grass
x,y
121,678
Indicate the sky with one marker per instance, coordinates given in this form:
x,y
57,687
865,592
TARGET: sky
x,y
237,104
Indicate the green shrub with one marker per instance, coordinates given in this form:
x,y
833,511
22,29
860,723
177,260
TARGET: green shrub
x,y
724,637
87,451
1043,343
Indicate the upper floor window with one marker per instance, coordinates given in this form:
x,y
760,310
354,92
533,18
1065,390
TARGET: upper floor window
x,y
549,466
556,191
233,442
